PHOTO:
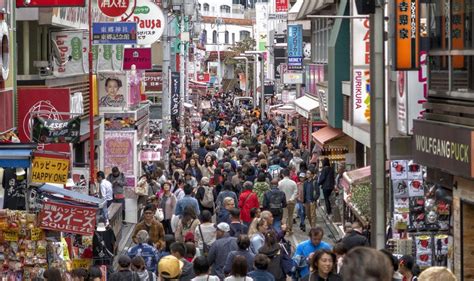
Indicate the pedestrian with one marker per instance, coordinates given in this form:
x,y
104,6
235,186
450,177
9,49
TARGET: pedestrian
x,y
187,200
94,274
355,237
143,249
274,201
186,224
397,276
437,273
205,195
154,228
243,242
104,244
207,169
239,270
408,268
106,192
169,268
225,192
165,251
326,181
178,250
306,248
79,274
300,201
260,272
247,201
201,269
223,245
144,273
167,203
117,179
124,273
272,249
236,225
364,263
256,230
289,187
223,215
323,266
205,233
261,186
310,196
340,251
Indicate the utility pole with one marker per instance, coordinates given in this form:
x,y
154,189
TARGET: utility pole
x,y
377,125
166,99
219,73
262,87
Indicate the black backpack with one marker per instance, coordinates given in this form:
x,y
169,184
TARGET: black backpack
x,y
276,203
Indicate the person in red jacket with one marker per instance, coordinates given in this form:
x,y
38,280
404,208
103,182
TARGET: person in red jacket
x,y
247,201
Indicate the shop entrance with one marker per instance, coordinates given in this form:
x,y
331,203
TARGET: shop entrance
x,y
467,246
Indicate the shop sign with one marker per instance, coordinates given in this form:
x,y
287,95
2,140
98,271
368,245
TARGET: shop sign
x,y
204,77
114,33
10,235
67,218
49,3
150,22
360,40
401,102
281,6
6,107
361,96
50,170
304,130
48,103
323,103
56,131
119,121
278,16
175,99
457,31
147,155
314,75
113,8
119,152
293,78
153,81
36,234
71,51
295,47
444,146
81,263
407,34
140,57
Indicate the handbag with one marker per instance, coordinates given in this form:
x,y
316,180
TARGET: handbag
x,y
205,247
142,187
159,214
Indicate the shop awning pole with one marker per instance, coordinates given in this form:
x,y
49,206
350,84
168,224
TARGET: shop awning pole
x,y
91,102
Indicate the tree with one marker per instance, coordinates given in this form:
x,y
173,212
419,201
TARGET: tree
x,y
247,44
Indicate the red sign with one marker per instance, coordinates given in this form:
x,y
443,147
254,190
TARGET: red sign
x,y
204,77
113,8
140,57
153,81
50,3
6,107
48,103
304,130
281,6
68,218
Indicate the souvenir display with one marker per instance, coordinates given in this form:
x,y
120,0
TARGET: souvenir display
x,y
398,170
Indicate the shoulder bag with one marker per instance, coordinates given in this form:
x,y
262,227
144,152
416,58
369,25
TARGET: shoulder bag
x,y
205,247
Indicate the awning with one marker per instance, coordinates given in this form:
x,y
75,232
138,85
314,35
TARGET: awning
x,y
16,155
310,6
355,176
305,105
326,134
75,196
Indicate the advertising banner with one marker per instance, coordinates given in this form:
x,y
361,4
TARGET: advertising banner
x,y
175,99
49,3
150,21
119,152
407,34
360,40
148,155
107,57
204,77
140,57
361,96
56,131
114,33
402,102
295,47
281,6
153,81
72,50
48,103
112,90
67,218
119,121
243,81
49,170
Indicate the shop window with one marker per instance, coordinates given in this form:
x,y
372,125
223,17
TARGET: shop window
x,y
225,9
233,38
244,34
226,37
214,37
320,40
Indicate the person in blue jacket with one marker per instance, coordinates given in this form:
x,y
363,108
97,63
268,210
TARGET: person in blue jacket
x,y
306,249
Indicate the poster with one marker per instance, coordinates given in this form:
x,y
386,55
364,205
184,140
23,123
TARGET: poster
x,y
70,56
175,99
112,91
56,131
361,94
119,121
107,57
398,170
67,218
119,152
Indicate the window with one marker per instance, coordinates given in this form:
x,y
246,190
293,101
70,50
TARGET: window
x,y
244,34
206,7
214,37
225,9
233,38
320,40
204,37
226,37
199,6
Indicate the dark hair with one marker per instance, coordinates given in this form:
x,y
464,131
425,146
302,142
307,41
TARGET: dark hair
x,y
316,231
148,207
243,241
253,212
261,177
391,257
115,169
200,265
178,247
53,274
138,263
94,272
80,273
189,214
190,250
261,262
234,213
169,240
206,216
313,263
339,249
326,162
285,172
270,238
109,79
188,189
410,264
100,174
366,264
228,186
239,266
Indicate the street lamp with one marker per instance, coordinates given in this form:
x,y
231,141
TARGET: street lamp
x,y
262,73
246,73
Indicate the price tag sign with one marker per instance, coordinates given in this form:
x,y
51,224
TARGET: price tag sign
x,y
81,263
52,170
36,234
10,235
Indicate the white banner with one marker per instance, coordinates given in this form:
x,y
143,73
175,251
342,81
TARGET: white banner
x,y
402,102
417,91
360,40
361,96
70,50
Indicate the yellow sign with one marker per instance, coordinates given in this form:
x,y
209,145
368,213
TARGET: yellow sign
x,y
10,235
36,234
52,170
81,263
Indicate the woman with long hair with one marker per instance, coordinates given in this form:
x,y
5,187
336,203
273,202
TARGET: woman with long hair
x,y
256,230
195,169
187,223
323,266
168,205
208,167
327,181
272,249
239,270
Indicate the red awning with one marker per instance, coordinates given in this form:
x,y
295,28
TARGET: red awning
x,y
326,134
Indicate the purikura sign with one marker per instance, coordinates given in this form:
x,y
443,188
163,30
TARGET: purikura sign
x,y
150,22
361,96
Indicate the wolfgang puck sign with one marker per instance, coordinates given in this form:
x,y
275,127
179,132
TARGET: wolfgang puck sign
x,y
445,146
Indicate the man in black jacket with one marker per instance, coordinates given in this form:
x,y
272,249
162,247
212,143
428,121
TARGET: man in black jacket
x,y
355,237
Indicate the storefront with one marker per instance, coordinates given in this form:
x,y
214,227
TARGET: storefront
x,y
308,109
333,144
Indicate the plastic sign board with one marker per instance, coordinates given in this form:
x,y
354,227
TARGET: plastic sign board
x,y
281,6
150,22
50,3
113,8
407,34
295,47
140,57
68,218
114,33
50,170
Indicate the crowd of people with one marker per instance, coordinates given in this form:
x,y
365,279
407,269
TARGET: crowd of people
x,y
225,206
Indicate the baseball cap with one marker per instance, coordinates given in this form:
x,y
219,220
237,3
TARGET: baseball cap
x,y
223,226
170,267
302,175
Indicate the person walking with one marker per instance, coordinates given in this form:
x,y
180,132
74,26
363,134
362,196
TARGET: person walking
x,y
124,272
355,238
153,227
239,270
201,269
167,203
289,187
274,201
187,200
326,181
260,272
323,266
272,249
310,195
305,249
144,250
243,242
223,245
105,192
205,234
143,272
236,226
248,200
186,224
117,179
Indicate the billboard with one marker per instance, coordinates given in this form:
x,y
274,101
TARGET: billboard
x,y
295,47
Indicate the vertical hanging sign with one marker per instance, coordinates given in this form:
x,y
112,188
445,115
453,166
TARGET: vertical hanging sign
x,y
175,102
407,35
295,47
457,31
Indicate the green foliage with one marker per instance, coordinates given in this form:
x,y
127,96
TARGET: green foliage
x,y
361,198
248,44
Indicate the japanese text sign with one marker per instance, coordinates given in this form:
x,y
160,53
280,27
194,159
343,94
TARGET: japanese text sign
x,y
153,81
119,152
52,170
50,3
281,6
113,8
407,45
140,57
150,21
114,33
175,102
295,47
67,218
